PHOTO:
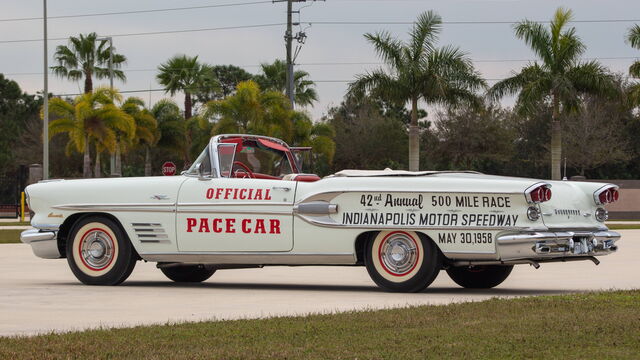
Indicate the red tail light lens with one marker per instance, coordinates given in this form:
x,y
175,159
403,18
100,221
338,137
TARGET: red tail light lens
x,y
607,195
538,193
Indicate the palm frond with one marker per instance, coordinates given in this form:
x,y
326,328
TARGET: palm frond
x,y
633,36
387,48
537,37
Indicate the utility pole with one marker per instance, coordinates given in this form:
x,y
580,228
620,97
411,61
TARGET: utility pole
x,y
289,40
45,100
113,168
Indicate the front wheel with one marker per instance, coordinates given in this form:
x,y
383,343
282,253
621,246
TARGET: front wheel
x,y
402,261
479,277
188,273
99,252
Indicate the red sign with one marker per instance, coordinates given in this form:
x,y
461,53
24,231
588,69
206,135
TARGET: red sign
x,y
168,169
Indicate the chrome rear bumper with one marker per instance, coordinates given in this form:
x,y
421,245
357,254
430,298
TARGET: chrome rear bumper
x,y
43,243
560,244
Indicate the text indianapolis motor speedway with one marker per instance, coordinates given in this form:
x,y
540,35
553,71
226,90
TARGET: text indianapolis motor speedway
x,y
429,219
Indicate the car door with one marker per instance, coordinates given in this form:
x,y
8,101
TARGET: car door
x,y
223,214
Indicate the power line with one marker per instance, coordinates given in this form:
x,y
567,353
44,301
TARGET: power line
x,y
156,32
136,11
471,22
347,63
318,23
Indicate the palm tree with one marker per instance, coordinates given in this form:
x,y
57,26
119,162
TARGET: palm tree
x,y
171,126
252,111
186,74
274,78
81,58
418,70
147,133
92,118
559,79
182,73
633,37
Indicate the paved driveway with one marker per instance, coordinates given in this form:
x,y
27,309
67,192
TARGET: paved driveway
x,y
39,295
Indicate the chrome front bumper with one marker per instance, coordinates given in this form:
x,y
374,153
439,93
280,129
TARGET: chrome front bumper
x,y
559,244
44,243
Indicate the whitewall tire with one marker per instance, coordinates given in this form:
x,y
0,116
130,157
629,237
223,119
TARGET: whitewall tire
x,y
402,261
99,252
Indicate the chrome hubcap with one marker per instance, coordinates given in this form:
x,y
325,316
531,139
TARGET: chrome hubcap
x,y
399,254
97,249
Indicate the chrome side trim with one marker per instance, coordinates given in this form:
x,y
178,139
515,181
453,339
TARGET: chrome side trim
x,y
237,212
326,221
118,207
246,203
315,208
257,258
44,244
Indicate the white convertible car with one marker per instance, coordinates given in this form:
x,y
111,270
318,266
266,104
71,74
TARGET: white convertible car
x,y
244,203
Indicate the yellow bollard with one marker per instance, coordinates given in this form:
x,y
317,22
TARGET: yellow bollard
x,y
22,206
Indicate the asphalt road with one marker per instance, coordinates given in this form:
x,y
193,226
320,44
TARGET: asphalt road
x,y
38,295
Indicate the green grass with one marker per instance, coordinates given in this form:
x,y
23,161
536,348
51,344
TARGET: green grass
x,y
15,223
623,226
10,236
581,326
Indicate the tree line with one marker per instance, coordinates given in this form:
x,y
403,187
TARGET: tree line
x,y
567,110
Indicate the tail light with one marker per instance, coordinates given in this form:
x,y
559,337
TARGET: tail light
x,y
538,193
606,195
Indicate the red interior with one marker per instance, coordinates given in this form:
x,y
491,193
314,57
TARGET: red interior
x,y
273,145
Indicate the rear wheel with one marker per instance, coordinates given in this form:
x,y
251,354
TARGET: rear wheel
x,y
99,252
402,261
188,273
479,277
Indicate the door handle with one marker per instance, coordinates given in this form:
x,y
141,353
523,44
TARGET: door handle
x,y
283,188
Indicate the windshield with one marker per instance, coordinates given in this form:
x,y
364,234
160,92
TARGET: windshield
x,y
203,159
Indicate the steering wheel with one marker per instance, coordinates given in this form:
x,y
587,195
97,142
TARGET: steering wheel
x,y
243,168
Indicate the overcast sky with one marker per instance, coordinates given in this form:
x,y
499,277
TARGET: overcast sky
x,y
248,47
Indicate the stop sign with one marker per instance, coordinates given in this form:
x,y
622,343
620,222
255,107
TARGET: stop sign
x,y
168,168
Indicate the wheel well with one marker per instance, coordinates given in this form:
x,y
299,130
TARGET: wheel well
x,y
361,243
67,225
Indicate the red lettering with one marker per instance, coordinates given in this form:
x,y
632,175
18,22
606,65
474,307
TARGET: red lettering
x,y
260,227
243,194
250,197
218,193
274,227
204,225
230,228
267,195
258,194
227,193
209,193
245,226
235,194
216,227
191,222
